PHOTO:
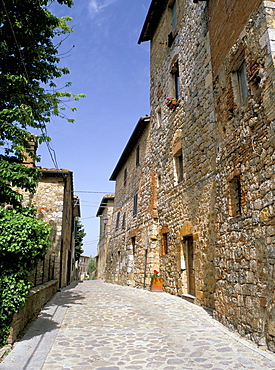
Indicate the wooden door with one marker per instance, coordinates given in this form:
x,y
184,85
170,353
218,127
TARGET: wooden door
x,y
190,265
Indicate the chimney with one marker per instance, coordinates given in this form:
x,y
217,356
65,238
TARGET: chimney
x,y
29,160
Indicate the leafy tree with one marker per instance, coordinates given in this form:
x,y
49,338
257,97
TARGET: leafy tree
x,y
91,266
28,98
79,236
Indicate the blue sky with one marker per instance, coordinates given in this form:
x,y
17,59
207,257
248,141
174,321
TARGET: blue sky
x,y
107,65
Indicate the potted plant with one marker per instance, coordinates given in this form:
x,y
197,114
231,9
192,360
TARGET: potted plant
x,y
156,282
171,102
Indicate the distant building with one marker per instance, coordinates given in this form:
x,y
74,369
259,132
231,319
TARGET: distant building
x,y
83,264
134,227
105,212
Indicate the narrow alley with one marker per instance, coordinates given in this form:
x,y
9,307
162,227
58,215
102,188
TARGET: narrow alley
x,y
95,325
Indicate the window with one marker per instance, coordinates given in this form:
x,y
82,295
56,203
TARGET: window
x,y
125,177
164,233
137,156
123,220
175,80
135,204
178,157
179,166
159,117
105,221
117,220
133,242
242,82
239,80
173,22
235,196
165,243
159,181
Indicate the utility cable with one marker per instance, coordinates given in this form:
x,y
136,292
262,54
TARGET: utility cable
x,y
51,151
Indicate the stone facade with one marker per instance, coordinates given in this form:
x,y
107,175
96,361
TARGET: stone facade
x,y
83,264
105,211
245,245
133,251
205,184
55,205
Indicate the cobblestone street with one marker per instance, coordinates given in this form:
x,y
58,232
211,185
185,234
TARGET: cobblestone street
x,y
94,325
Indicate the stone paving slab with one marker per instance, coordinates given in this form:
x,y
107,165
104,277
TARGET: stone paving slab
x,y
100,326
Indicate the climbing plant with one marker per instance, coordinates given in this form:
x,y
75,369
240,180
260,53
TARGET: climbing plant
x,y
29,39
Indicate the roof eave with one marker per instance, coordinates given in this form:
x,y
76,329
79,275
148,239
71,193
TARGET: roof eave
x,y
103,203
138,131
155,11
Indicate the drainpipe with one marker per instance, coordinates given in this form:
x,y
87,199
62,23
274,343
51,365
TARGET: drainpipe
x,y
145,261
60,265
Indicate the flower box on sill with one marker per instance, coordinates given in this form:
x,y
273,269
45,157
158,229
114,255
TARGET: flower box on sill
x,y
171,102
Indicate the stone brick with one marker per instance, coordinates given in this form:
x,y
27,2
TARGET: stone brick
x,y
206,182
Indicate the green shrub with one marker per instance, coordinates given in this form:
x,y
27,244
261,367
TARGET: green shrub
x,y
23,241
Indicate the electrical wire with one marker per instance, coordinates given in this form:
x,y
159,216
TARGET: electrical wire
x,y
93,192
51,151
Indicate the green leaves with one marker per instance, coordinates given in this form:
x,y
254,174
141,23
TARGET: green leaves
x,y
28,67
23,241
13,174
79,236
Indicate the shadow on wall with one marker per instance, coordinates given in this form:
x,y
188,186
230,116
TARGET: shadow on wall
x,y
53,313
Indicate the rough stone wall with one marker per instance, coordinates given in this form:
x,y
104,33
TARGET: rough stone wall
x,y
227,20
220,201
191,200
54,203
245,250
179,209
67,232
36,300
131,246
103,245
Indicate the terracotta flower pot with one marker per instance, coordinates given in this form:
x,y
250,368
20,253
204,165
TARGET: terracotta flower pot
x,y
172,105
157,284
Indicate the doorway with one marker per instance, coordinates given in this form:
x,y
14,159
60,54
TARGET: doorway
x,y
190,270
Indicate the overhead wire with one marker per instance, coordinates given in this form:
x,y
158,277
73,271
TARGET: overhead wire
x,y
94,192
51,150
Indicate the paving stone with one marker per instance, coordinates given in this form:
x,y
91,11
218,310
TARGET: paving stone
x,y
190,338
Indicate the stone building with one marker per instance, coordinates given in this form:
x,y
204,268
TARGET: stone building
x,y
205,185
57,206
244,91
105,211
83,264
133,242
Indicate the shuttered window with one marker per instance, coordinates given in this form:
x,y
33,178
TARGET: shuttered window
x,y
135,205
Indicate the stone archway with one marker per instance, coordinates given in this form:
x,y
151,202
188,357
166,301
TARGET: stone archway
x,y
186,229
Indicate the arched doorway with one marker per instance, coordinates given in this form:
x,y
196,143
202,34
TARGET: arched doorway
x,y
187,265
